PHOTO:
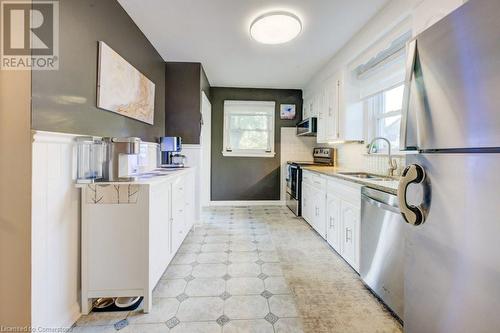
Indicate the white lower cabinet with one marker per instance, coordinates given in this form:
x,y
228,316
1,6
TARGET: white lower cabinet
x,y
318,219
306,202
314,201
333,232
131,232
350,218
333,208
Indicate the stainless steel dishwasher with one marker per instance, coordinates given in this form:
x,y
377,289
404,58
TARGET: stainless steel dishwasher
x,y
382,249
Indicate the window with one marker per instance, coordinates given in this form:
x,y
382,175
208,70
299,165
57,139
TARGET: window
x,y
385,111
378,82
249,128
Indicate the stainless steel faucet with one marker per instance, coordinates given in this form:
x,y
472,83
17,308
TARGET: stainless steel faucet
x,y
392,163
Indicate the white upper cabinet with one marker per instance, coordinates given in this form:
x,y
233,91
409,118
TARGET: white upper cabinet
x,y
328,129
310,108
429,12
336,122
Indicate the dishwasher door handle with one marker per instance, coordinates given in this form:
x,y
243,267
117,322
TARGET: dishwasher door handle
x,y
380,204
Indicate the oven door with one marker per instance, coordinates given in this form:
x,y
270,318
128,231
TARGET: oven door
x,y
292,180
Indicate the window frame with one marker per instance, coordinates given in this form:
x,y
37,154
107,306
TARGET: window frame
x,y
374,105
228,151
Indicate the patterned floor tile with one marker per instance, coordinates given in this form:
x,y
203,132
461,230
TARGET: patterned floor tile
x,y
184,259
245,286
206,287
243,270
277,285
163,309
209,270
212,257
215,247
177,271
272,269
169,288
200,309
288,325
247,256
235,273
145,328
248,326
197,327
246,307
269,256
101,318
283,306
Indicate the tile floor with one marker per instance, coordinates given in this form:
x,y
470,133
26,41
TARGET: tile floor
x,y
253,269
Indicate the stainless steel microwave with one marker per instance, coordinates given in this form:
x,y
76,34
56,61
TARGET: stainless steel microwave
x,y
307,127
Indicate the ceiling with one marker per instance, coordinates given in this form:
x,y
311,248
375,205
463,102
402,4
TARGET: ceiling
x,y
216,33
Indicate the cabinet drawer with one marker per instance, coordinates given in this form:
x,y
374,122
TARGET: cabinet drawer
x,y
348,191
319,182
307,177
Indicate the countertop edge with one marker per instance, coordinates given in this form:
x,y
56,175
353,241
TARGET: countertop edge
x,y
145,181
333,173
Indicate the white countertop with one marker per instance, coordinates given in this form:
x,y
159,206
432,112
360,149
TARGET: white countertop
x,y
147,178
389,186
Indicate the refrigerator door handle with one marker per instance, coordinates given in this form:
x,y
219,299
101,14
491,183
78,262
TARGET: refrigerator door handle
x,y
410,66
412,174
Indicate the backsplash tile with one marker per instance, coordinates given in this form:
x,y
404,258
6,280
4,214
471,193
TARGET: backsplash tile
x,y
354,156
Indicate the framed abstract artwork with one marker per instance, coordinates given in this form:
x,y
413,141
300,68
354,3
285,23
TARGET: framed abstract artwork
x,y
287,111
121,88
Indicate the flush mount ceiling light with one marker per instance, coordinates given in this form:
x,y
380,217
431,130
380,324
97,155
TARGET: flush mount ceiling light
x,y
275,28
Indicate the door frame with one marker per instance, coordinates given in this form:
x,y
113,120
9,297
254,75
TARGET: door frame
x,y
206,148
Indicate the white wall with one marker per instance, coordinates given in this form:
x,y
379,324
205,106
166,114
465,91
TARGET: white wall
x,y
353,155
422,14
384,21
193,160
55,232
55,245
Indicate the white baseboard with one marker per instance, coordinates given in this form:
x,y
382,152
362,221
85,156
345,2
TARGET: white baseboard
x,y
248,203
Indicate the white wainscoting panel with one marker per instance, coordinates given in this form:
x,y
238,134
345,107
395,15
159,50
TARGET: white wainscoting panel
x,y
55,232
56,228
193,160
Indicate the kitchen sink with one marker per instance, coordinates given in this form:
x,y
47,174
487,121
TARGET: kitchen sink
x,y
365,175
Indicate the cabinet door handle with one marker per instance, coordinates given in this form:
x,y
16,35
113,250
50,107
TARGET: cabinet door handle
x,y
347,237
331,222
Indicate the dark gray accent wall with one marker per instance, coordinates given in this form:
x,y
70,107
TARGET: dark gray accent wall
x,y
65,100
248,178
184,83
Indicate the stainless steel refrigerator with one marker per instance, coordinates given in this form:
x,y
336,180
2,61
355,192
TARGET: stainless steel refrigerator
x,y
450,191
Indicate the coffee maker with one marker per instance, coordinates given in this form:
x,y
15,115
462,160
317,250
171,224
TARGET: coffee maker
x,y
170,146
117,149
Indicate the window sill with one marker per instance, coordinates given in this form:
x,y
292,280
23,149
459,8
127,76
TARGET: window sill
x,y
243,154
